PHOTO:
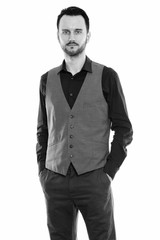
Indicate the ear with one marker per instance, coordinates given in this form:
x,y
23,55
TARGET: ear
x,y
58,35
88,36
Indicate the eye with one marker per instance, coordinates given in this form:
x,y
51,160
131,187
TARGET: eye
x,y
65,32
78,31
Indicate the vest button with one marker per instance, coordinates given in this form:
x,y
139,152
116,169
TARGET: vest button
x,y
71,146
71,136
71,156
71,126
71,116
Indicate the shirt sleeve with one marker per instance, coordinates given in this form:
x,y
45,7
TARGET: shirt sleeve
x,y
120,122
42,129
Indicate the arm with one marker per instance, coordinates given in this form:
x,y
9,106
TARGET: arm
x,y
42,129
120,122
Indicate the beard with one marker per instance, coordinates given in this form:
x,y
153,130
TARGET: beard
x,y
74,53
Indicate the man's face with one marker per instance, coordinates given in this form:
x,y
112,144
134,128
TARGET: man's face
x,y
72,34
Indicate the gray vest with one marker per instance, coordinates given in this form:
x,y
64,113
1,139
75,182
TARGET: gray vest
x,y
79,135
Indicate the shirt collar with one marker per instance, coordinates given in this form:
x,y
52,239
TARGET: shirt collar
x,y
86,67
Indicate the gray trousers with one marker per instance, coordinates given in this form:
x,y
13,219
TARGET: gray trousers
x,y
89,193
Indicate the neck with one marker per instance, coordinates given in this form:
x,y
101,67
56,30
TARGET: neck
x,y
74,64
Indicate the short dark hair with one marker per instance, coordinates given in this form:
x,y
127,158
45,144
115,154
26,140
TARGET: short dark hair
x,y
73,11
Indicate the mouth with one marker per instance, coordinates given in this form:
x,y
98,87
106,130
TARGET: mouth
x,y
72,44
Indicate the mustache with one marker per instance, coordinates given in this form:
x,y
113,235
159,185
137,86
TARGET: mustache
x,y
72,43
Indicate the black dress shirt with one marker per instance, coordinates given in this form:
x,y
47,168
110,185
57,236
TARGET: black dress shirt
x,y
118,115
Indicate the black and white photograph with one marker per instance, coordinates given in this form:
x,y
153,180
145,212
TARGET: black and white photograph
x,y
80,120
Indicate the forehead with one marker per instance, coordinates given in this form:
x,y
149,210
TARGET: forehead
x,y
72,22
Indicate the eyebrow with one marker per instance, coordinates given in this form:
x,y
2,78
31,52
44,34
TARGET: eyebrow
x,y
66,29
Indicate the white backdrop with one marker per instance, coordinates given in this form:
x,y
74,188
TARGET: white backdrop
x,y
124,36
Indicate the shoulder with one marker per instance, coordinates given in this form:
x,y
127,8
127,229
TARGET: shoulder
x,y
45,75
55,70
107,71
110,79
43,81
110,72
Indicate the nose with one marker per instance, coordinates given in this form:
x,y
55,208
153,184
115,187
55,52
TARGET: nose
x,y
71,36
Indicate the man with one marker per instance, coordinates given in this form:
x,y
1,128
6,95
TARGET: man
x,y
80,101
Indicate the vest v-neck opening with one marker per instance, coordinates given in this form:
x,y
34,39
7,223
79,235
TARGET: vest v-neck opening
x,y
79,93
